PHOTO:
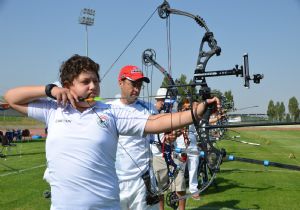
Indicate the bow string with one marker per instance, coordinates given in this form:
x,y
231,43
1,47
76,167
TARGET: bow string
x,y
148,58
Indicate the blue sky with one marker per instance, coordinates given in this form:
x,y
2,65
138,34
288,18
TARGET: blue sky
x,y
37,36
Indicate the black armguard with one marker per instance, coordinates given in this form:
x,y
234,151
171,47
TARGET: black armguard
x,y
48,89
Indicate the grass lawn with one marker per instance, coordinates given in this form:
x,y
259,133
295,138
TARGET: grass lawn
x,y
242,185
238,186
21,173
19,122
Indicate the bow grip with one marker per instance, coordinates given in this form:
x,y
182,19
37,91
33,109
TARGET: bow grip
x,y
208,111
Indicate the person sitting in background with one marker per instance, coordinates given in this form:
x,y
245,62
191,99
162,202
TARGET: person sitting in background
x,y
9,134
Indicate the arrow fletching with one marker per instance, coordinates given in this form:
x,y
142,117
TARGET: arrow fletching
x,y
97,98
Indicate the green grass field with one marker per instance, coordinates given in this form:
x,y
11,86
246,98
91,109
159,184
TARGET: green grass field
x,y
238,186
19,122
249,186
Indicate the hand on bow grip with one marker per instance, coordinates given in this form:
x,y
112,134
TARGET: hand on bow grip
x,y
213,105
204,109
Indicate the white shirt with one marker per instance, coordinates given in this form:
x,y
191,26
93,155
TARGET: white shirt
x,y
133,152
154,148
192,148
179,143
193,138
81,151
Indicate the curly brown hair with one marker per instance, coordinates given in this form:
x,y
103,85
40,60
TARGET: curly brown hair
x,y
76,64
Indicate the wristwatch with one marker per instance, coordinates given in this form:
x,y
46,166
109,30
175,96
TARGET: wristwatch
x,y
48,89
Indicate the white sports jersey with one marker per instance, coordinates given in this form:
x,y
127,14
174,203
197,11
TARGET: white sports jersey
x,y
133,152
81,152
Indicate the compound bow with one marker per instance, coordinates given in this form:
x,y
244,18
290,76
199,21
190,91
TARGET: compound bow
x,y
212,155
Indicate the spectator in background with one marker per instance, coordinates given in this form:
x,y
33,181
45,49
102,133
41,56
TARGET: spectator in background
x,y
9,134
159,164
193,153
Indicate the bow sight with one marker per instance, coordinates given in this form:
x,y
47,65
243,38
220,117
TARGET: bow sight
x,y
243,71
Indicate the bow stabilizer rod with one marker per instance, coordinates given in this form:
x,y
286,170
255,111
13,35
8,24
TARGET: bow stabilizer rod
x,y
264,162
251,125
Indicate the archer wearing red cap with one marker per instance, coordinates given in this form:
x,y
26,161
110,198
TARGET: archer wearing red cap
x,y
132,73
134,151
131,80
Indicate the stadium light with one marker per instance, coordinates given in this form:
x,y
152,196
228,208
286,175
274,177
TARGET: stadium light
x,y
87,17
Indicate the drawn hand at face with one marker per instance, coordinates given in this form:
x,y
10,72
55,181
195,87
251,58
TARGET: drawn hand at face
x,y
64,95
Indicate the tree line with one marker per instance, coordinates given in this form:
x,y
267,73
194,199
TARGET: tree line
x,y
187,90
277,112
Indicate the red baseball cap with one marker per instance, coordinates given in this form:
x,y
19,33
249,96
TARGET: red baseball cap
x,y
132,73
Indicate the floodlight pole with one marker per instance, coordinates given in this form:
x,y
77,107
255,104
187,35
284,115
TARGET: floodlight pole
x,y
87,40
87,18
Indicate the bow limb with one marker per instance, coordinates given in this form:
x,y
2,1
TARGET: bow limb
x,y
205,144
